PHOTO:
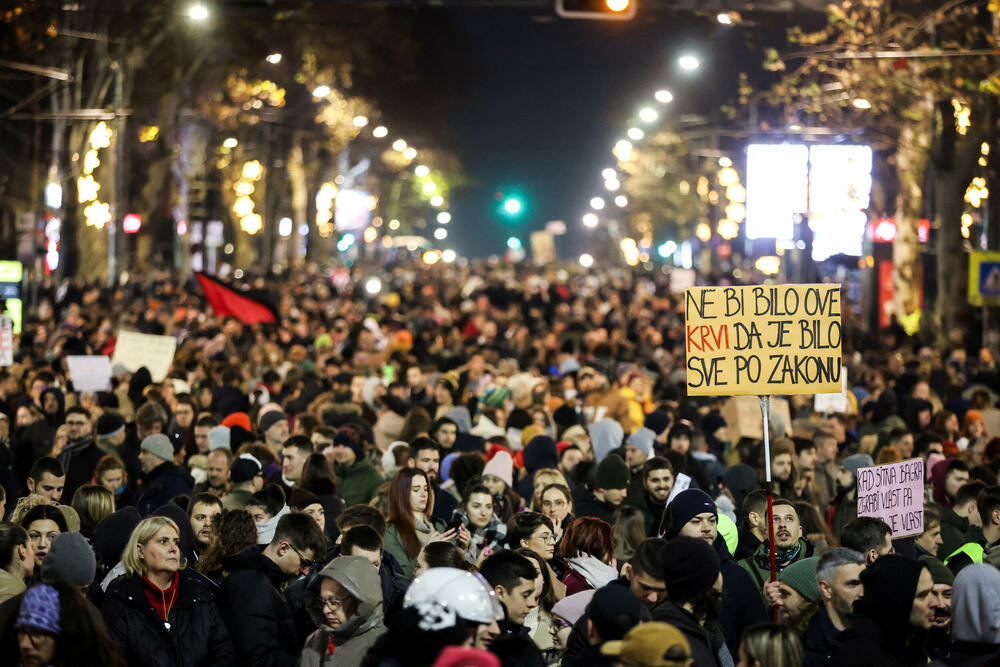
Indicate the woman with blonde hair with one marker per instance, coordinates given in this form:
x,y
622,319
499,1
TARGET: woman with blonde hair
x,y
542,479
770,645
93,503
159,615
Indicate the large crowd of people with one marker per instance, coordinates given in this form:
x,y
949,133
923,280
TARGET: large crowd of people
x,y
476,464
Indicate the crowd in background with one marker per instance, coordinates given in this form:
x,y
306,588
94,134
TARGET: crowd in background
x,y
477,465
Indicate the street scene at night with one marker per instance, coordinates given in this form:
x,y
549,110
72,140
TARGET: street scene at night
x,y
499,333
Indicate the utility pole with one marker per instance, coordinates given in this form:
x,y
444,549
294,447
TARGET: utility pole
x,y
118,202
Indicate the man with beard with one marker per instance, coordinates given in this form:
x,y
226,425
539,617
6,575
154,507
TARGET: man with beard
x,y
838,575
425,456
80,455
893,617
789,546
693,513
693,581
939,637
204,511
869,536
216,473
651,496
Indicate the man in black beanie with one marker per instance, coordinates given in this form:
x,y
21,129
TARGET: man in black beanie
x,y
693,579
610,614
891,621
607,493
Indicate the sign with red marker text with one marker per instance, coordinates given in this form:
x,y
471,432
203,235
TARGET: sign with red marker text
x,y
763,340
894,492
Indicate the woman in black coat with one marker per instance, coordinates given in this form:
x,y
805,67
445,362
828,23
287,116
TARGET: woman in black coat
x,y
158,615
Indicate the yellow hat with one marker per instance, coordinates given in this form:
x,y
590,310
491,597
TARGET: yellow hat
x,y
652,644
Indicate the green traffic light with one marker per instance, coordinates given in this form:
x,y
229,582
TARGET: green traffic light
x,y
512,206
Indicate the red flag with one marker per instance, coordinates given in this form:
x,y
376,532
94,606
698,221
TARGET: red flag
x,y
250,307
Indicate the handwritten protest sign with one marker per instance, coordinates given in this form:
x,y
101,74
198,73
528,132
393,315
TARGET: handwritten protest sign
x,y
894,492
763,340
839,403
6,341
90,372
135,350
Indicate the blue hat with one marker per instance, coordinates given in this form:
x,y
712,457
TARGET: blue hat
x,y
687,505
40,609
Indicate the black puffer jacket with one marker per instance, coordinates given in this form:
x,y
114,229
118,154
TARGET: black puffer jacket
x,y
256,612
197,637
163,483
742,604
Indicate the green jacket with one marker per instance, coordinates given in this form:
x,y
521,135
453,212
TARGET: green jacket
x,y
358,482
394,544
759,564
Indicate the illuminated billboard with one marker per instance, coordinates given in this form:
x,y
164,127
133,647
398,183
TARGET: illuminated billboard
x,y
831,184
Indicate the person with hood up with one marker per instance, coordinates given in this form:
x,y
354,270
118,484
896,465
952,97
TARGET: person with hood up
x,y
948,476
164,480
693,514
892,619
606,436
346,604
975,607
693,581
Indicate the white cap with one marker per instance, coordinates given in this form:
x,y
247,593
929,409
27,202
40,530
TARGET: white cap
x,y
467,593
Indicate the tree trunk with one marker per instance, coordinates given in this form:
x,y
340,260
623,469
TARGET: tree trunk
x,y
300,200
911,162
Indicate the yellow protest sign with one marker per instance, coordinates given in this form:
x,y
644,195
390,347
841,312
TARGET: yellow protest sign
x,y
763,340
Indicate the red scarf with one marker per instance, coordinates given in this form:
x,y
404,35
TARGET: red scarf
x,y
161,600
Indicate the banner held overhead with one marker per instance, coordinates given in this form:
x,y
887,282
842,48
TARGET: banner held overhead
x,y
763,340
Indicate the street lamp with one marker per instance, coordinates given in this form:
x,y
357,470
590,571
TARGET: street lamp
x,y
648,115
274,58
197,12
635,134
380,131
688,62
663,96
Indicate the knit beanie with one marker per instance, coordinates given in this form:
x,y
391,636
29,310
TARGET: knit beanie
x,y
244,468
642,440
70,560
855,461
502,466
237,419
40,609
657,422
801,575
158,445
939,571
109,424
270,418
612,473
687,505
299,499
529,433
690,567
346,438
218,438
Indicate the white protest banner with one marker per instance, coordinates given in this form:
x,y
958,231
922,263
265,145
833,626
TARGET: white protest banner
x,y
89,373
833,403
681,483
135,350
6,341
894,492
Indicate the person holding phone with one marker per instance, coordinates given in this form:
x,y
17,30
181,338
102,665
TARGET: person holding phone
x,y
487,532
411,524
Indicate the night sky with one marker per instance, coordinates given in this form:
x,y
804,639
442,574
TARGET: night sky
x,y
533,103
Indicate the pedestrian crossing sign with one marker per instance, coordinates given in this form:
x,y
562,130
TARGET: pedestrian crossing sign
x,y
984,278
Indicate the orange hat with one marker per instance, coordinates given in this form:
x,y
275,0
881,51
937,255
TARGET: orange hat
x,y
238,419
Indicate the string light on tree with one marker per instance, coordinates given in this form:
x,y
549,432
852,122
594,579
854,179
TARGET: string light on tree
x,y
380,132
590,220
663,96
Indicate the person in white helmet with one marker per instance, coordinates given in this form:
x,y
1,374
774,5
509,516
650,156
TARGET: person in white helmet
x,y
444,606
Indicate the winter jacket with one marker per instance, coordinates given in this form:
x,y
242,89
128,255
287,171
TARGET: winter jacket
x,y
585,503
394,545
759,564
358,633
79,461
953,529
10,585
608,404
196,635
358,482
494,536
256,612
881,634
703,652
163,482
742,604
444,504
820,639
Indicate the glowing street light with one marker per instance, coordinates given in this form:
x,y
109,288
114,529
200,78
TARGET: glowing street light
x,y
274,58
197,12
586,260
399,145
514,243
861,103
635,134
609,173
422,170
663,96
688,62
449,256
373,286
437,201
321,91
621,201
440,233
410,153
380,131
597,203
360,121
617,5
612,184
590,220
724,18
230,142
512,206
444,217
430,187
648,115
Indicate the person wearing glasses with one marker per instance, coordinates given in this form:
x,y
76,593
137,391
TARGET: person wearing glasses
x,y
251,597
535,531
345,602
158,614
80,454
